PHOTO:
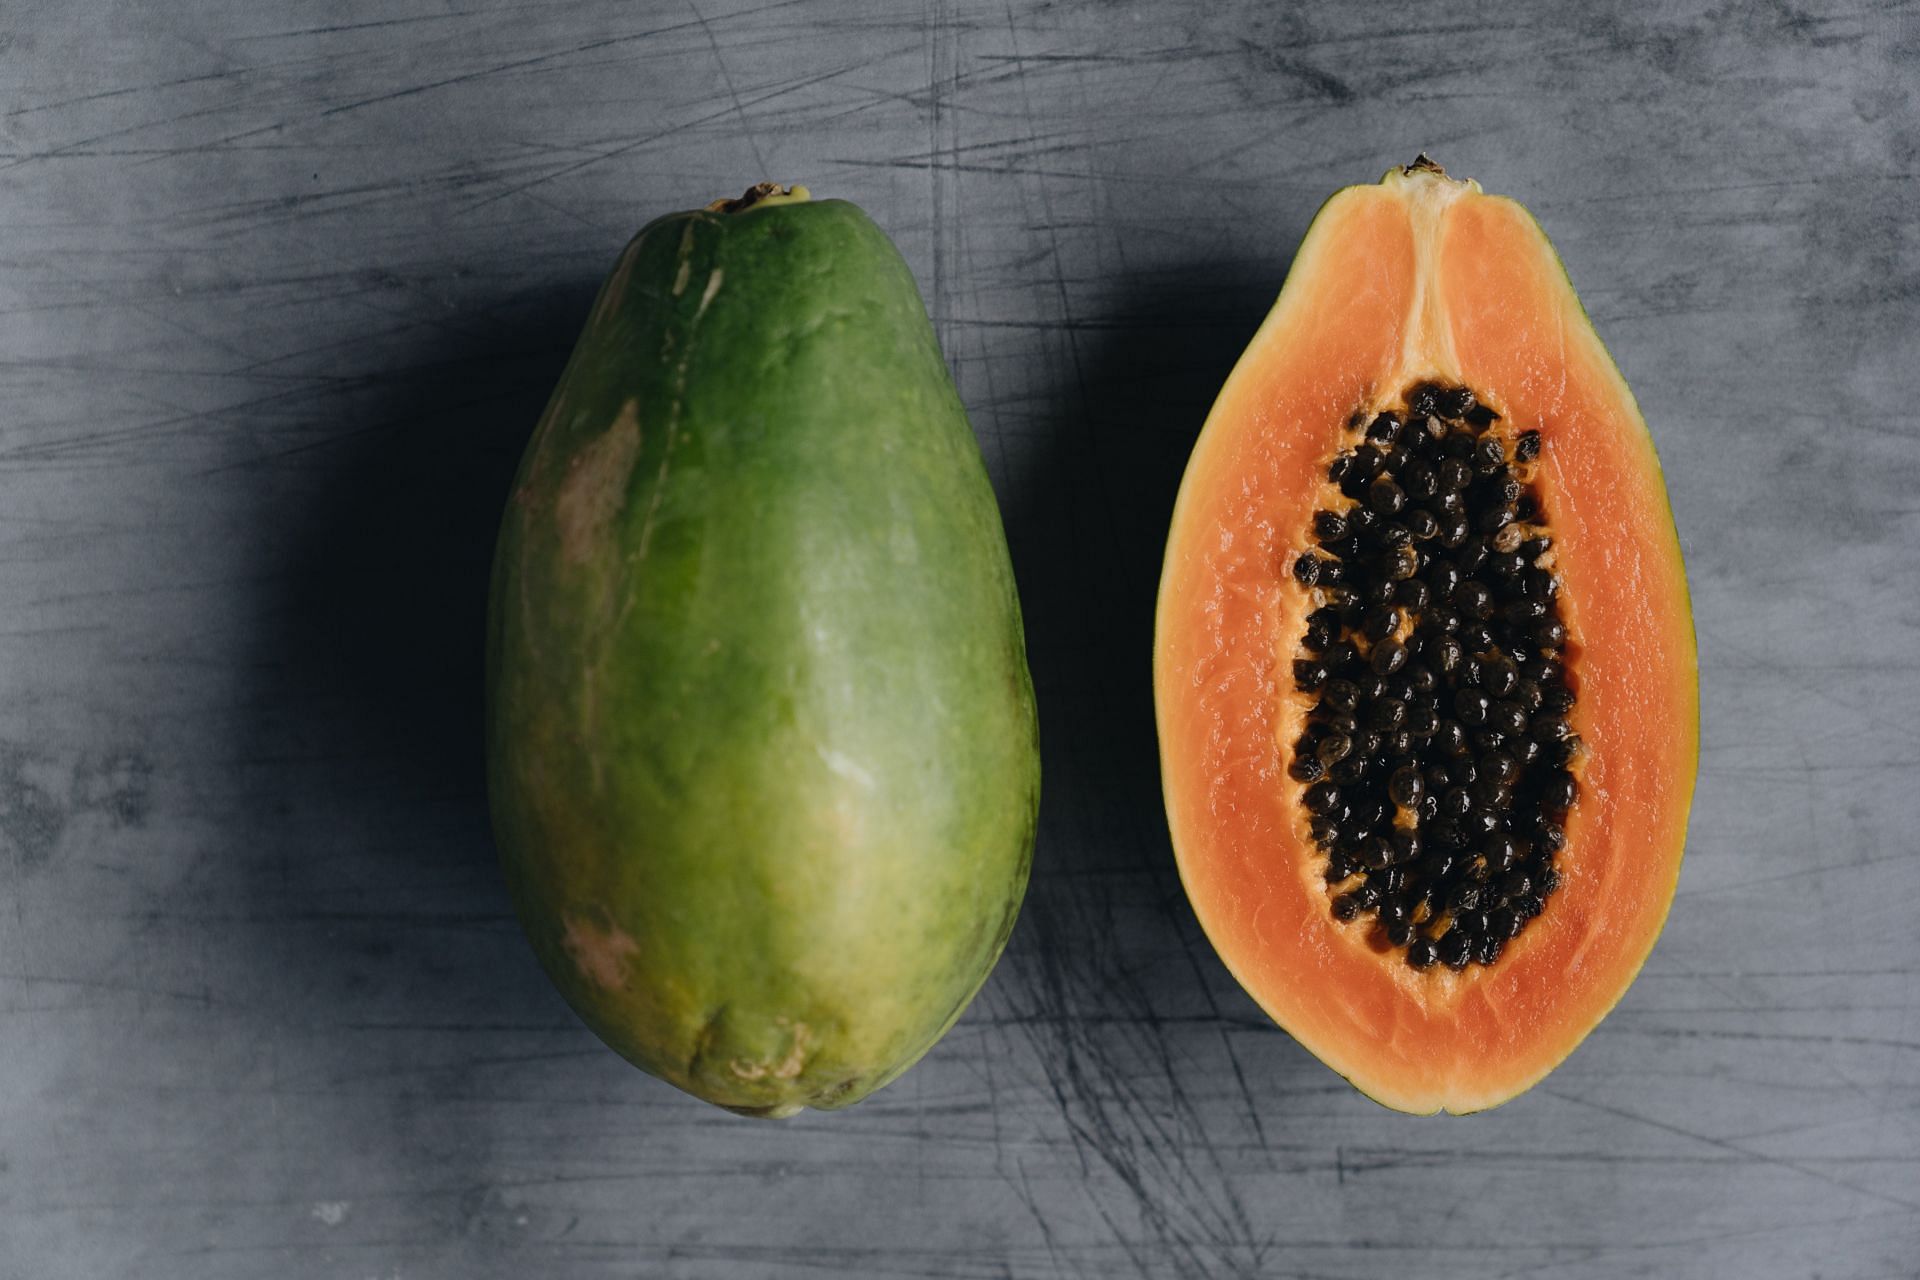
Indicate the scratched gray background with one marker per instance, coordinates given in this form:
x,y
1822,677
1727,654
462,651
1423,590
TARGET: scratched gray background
x,y
282,288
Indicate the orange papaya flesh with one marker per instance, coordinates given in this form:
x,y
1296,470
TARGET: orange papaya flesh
x,y
1423,277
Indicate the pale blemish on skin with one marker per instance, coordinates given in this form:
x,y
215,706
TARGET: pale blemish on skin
x,y
679,393
595,487
786,1068
713,287
686,261
599,952
846,766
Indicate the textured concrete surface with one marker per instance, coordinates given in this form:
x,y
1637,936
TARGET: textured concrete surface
x,y
282,288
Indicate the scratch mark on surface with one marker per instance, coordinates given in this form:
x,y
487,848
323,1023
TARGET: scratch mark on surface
x,y
1746,1153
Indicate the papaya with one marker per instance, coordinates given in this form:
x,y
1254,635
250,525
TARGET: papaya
x,y
1424,668
762,752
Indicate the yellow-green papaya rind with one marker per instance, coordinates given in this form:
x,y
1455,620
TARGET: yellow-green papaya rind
x,y
762,750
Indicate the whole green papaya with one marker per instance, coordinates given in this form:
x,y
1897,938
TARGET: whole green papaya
x,y
762,752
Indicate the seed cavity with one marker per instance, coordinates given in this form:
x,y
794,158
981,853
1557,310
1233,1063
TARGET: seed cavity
x,y
1439,759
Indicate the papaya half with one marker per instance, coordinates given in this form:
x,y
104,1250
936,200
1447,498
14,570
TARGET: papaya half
x,y
1424,664
762,749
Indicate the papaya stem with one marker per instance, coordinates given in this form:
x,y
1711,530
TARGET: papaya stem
x,y
760,193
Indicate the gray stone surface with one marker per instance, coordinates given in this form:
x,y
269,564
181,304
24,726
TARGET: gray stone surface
x,y
282,287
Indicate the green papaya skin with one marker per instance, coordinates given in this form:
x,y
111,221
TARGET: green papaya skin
x,y
762,751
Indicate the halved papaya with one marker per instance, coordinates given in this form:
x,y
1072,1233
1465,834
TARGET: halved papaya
x,y
1424,662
